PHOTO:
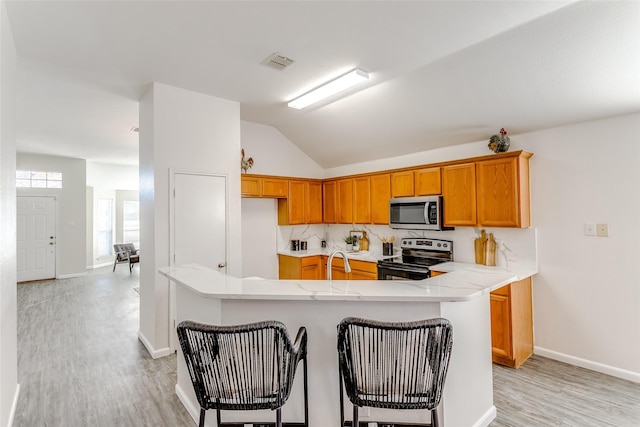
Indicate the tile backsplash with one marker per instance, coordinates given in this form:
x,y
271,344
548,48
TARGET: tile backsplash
x,y
515,246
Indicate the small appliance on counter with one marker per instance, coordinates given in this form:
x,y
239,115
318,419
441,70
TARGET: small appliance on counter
x,y
418,254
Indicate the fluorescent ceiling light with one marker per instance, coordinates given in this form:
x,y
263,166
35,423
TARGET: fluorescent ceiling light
x,y
346,81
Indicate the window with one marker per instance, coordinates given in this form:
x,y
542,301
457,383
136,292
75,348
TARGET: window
x,y
104,216
131,223
35,179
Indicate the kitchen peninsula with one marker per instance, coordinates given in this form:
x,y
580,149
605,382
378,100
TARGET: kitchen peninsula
x,y
462,296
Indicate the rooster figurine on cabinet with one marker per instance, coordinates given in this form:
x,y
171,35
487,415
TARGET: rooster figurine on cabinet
x,y
499,143
245,164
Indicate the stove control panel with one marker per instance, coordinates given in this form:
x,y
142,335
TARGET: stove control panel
x,y
427,244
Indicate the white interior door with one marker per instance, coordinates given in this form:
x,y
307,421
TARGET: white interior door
x,y
36,238
200,223
198,230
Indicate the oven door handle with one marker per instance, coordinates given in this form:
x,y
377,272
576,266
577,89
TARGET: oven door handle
x,y
407,270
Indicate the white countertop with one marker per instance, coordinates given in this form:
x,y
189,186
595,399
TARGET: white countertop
x,y
521,271
464,282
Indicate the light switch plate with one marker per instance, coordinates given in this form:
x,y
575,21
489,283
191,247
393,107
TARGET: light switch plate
x,y
602,230
589,229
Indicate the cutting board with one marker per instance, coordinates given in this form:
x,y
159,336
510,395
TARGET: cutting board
x,y
480,248
490,258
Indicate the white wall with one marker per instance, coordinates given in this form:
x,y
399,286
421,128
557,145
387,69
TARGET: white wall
x,y
71,217
188,132
587,295
117,177
9,388
259,238
274,154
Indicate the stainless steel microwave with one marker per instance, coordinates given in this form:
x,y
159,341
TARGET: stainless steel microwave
x,y
417,213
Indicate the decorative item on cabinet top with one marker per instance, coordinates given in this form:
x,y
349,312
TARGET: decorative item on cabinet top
x,y
245,164
499,143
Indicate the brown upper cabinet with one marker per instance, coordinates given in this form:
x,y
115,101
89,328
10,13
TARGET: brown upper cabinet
x,y
459,194
402,184
416,182
304,204
257,186
487,191
313,202
491,192
344,201
503,192
274,187
380,195
362,200
329,202
250,186
427,182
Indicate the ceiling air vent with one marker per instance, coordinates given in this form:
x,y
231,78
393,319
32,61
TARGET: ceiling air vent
x,y
278,61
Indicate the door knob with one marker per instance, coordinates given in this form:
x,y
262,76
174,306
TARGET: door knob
x,y
222,265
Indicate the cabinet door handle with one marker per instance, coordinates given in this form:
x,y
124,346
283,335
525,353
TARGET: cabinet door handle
x,y
222,265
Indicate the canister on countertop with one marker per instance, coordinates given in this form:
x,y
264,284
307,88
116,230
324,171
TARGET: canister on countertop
x,y
295,245
303,245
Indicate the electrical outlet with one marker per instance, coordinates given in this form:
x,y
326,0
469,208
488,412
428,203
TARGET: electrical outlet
x,y
589,229
603,230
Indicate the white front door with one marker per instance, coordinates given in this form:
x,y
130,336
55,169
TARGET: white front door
x,y
36,238
198,226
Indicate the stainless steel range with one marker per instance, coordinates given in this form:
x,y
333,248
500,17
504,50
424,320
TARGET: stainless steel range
x,y
418,254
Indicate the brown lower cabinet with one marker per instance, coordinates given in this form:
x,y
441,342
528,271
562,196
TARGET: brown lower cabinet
x,y
512,323
303,268
314,267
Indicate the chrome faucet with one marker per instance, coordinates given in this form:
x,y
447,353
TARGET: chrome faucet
x,y
347,267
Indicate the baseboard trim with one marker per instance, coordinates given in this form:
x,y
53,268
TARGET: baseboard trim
x,y
155,354
104,264
487,418
71,276
189,406
14,406
588,364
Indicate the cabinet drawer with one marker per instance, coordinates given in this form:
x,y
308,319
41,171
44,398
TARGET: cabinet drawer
x,y
365,266
504,291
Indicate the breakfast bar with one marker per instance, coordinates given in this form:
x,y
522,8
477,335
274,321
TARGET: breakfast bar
x,y
462,296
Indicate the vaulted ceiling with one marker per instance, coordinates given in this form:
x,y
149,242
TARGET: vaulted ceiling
x,y
442,72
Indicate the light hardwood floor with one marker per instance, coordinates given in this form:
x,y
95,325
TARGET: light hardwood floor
x,y
80,364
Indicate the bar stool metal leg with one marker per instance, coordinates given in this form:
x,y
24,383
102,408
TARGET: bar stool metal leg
x,y
355,416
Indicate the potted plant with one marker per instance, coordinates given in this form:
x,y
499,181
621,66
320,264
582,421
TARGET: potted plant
x,y
349,241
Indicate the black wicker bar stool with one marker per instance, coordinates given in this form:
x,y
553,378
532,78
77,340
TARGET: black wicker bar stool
x,y
393,365
244,367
